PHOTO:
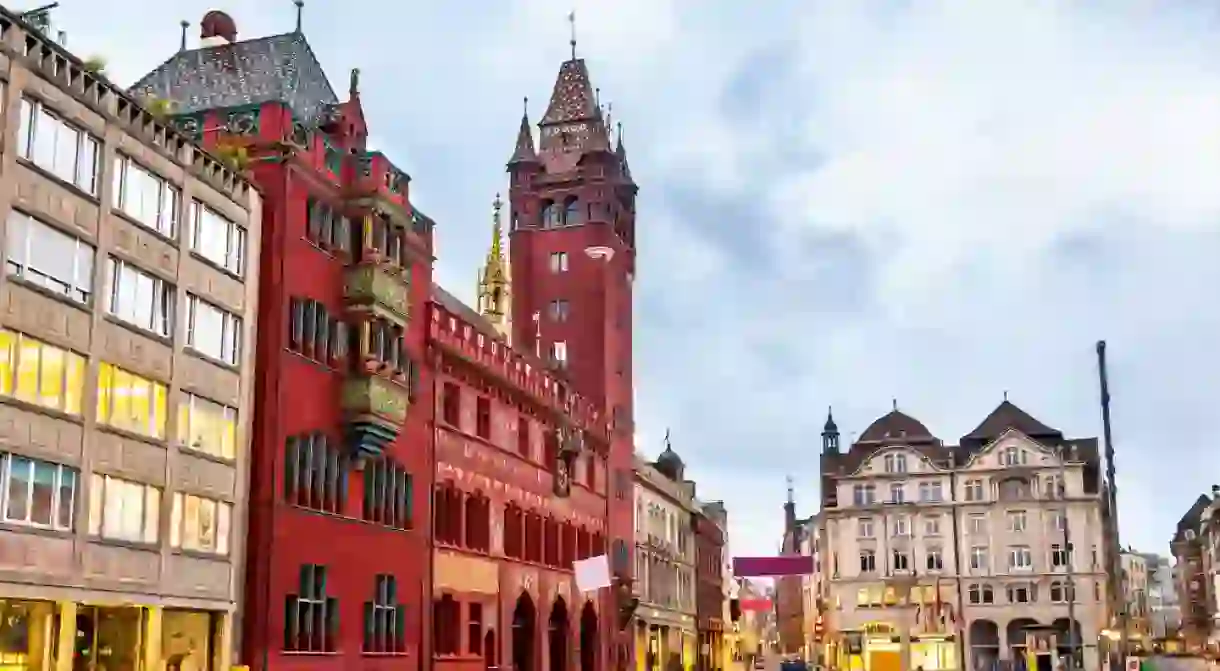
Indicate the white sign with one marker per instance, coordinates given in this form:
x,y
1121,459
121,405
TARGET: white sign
x,y
593,573
1133,664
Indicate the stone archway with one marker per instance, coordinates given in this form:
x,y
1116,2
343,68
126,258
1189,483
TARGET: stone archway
x,y
524,624
1016,635
984,636
557,634
588,638
1066,632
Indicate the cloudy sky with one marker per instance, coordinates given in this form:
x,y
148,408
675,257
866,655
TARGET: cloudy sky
x,y
842,203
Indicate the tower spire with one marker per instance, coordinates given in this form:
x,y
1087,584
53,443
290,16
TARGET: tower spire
x,y
523,151
572,27
494,283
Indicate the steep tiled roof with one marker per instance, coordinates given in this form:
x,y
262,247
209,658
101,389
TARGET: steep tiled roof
x,y
573,98
1008,416
279,68
895,424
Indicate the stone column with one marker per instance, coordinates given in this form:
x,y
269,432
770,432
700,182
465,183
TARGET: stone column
x,y
65,643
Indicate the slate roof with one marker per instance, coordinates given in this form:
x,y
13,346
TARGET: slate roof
x,y
1009,416
895,424
279,68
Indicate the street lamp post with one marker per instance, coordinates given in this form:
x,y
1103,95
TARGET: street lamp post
x,y
902,585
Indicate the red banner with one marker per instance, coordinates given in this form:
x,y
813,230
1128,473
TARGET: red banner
x,y
756,605
762,567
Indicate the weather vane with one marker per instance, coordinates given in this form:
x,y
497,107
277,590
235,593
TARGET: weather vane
x,y
572,25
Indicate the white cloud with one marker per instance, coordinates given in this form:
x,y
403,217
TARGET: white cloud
x,y
933,201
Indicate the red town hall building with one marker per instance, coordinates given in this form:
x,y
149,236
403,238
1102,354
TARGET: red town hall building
x,y
424,473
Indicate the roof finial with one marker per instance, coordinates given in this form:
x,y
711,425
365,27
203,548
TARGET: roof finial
x,y
572,26
895,402
667,445
525,106
1005,394
791,489
185,24
300,6
353,87
597,98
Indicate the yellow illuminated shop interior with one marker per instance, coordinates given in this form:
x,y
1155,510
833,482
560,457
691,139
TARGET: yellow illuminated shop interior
x,y
877,646
33,637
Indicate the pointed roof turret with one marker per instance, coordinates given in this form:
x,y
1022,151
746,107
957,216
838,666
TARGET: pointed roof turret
x,y
494,283
620,152
524,151
830,426
573,120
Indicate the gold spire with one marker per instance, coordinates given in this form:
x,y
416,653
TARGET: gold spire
x,y
494,283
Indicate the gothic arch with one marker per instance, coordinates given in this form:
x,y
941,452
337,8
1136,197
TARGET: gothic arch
x,y
557,635
524,624
588,638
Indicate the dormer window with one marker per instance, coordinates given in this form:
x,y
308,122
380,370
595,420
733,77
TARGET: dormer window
x,y
571,212
552,215
1014,456
895,463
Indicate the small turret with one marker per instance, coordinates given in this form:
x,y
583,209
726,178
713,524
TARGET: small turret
x,y
494,283
830,434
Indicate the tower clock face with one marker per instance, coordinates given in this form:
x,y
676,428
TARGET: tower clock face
x,y
568,129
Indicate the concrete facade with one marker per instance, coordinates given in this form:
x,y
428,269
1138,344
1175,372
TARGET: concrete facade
x,y
126,368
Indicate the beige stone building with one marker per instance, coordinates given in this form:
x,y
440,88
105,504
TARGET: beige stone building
x,y
126,361
977,532
665,562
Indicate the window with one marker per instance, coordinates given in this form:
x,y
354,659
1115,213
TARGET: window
x,y
980,594
1058,519
1014,456
558,310
935,559
897,492
523,436
387,494
47,257
207,426
559,262
931,525
895,463
864,495
1062,591
1020,558
559,353
200,524
385,620
571,212
315,473
902,526
327,228
387,344
315,333
1016,521
58,147
902,561
1022,592
145,196
130,402
41,374
446,626
311,622
217,239
552,215
1059,557
482,417
451,404
38,493
864,527
868,561
931,492
974,490
977,524
978,558
382,240
1052,487
141,299
213,331
124,510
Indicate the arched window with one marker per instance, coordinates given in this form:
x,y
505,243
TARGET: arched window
x,y
571,212
552,215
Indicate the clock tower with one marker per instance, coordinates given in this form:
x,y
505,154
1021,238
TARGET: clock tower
x,y
572,259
